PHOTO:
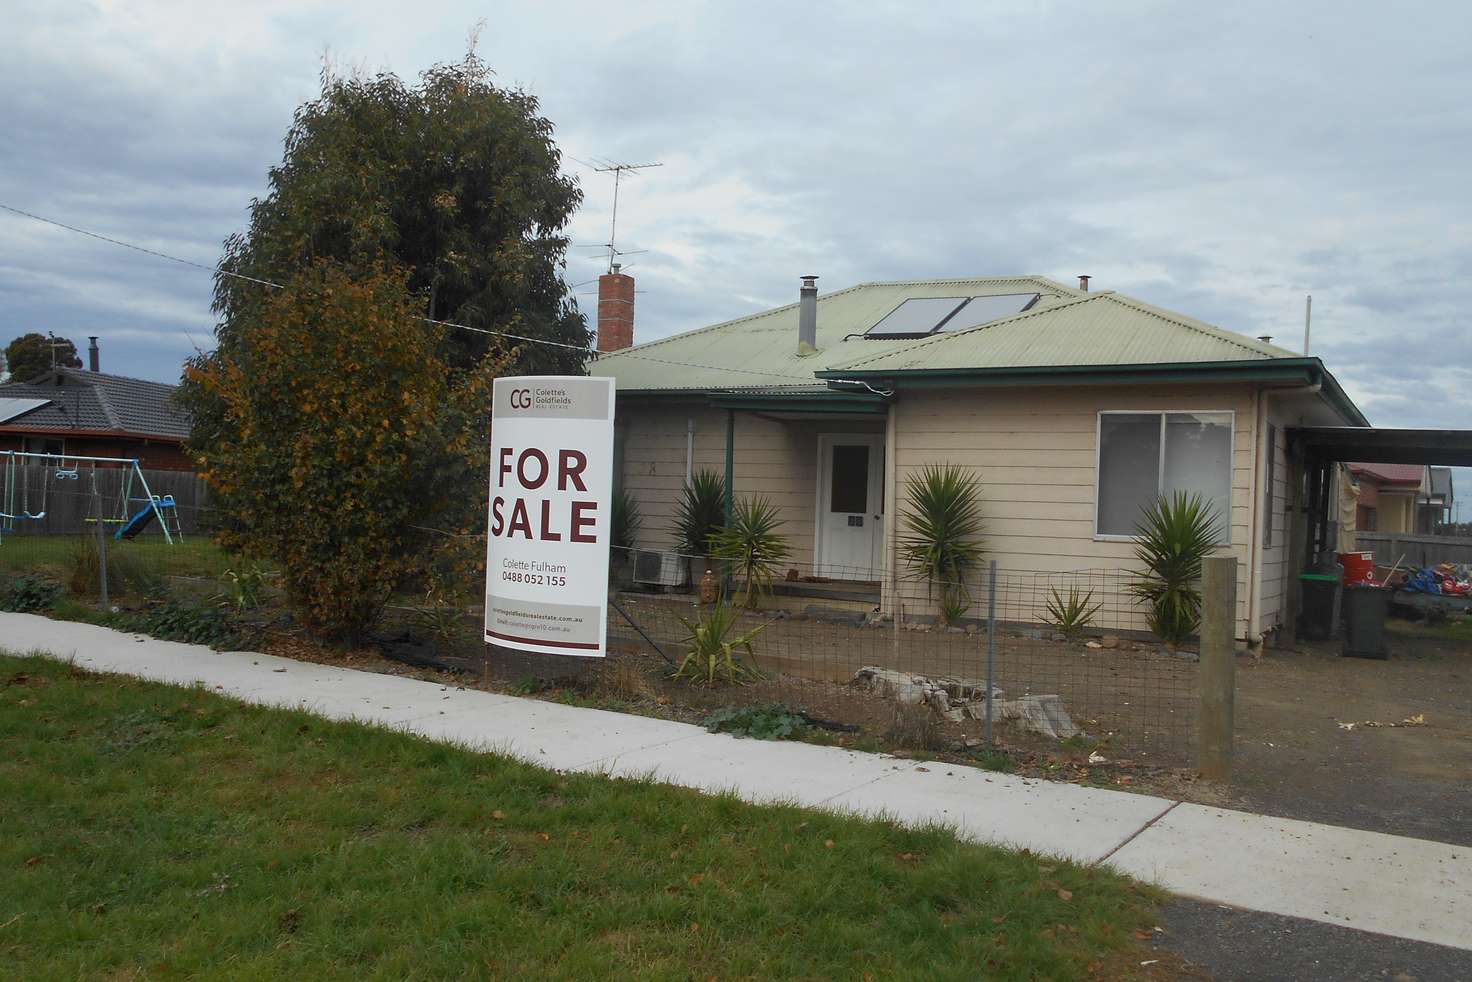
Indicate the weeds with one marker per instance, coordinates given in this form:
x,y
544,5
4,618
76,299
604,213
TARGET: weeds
x,y
774,721
189,622
913,726
30,594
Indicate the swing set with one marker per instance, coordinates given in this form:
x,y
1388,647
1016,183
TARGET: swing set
x,y
132,509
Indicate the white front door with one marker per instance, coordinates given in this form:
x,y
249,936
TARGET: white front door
x,y
850,506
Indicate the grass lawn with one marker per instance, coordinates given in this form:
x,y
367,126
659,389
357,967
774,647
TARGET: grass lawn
x,y
56,554
160,831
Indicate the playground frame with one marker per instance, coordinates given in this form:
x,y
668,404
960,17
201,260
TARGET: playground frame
x,y
153,505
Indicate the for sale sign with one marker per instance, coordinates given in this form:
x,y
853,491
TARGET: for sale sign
x,y
551,497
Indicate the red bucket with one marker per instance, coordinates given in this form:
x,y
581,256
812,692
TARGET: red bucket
x,y
1359,567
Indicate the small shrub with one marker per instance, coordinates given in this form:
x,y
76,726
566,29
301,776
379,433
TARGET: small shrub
x,y
943,527
914,727
753,545
701,512
1174,535
624,521
247,585
30,594
713,657
774,721
440,619
1072,615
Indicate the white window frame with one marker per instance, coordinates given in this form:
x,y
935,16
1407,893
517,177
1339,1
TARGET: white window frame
x,y
1162,413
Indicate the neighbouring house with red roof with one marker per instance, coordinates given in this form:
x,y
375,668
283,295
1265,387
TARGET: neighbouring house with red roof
x,y
1393,498
74,412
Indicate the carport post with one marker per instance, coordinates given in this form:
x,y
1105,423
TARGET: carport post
x,y
1218,669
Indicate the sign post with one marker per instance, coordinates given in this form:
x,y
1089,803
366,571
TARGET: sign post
x,y
550,509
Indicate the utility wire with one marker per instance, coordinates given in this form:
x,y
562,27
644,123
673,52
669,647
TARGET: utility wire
x,y
430,320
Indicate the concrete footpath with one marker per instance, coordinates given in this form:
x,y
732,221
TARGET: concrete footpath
x,y
1406,888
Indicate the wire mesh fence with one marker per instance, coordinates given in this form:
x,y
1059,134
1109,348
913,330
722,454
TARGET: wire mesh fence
x,y
1017,658
1034,657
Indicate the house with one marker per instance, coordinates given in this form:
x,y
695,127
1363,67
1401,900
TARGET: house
x,y
76,412
1390,497
1072,408
1440,506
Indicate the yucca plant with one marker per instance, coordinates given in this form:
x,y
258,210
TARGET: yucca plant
x,y
714,658
753,546
701,512
625,520
1073,614
1172,538
942,539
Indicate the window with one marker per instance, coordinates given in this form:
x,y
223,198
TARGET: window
x,y
1144,455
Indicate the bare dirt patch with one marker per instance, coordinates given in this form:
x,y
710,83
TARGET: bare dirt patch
x,y
1324,738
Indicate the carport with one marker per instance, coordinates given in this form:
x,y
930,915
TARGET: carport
x,y
1313,452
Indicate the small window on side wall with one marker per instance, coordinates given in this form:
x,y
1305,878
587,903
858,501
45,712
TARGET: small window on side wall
x,y
1145,455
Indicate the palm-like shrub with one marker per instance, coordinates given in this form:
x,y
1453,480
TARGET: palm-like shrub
x,y
1072,614
701,512
712,657
625,521
1174,535
942,539
753,546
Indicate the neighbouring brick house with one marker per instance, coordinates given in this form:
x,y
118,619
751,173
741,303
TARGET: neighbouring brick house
x,y
75,412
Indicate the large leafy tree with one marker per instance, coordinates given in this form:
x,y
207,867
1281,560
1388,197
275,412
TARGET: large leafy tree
x,y
30,355
342,436
455,180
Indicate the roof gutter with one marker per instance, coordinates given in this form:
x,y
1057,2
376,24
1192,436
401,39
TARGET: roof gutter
x,y
1304,371
71,431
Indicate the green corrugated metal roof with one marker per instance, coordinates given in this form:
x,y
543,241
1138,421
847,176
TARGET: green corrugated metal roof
x,y
1094,329
761,349
1065,328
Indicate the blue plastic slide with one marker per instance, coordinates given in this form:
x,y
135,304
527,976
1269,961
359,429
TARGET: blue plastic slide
x,y
137,523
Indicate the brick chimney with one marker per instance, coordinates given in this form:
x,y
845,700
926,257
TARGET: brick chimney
x,y
615,310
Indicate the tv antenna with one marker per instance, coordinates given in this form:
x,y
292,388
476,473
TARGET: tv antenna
x,y
53,344
618,170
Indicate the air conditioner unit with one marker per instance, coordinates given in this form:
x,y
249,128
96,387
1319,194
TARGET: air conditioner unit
x,y
660,568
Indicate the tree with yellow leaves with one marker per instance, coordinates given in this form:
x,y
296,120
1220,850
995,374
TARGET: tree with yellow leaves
x,y
336,426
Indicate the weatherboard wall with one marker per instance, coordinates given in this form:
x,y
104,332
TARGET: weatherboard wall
x,y
1034,453
776,458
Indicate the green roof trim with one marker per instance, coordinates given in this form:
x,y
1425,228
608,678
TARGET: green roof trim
x,y
1305,371
830,401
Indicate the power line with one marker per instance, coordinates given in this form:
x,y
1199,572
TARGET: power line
x,y
626,353
260,282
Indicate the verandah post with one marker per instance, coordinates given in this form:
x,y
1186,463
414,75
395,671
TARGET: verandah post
x,y
1218,668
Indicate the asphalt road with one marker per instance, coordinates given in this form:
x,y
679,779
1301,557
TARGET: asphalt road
x,y
1234,945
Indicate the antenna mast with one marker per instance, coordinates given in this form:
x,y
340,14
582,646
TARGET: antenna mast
x,y
618,170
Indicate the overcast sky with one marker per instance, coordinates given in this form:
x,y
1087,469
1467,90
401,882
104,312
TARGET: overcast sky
x,y
1221,160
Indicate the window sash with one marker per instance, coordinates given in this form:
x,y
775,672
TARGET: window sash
x,y
1171,447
